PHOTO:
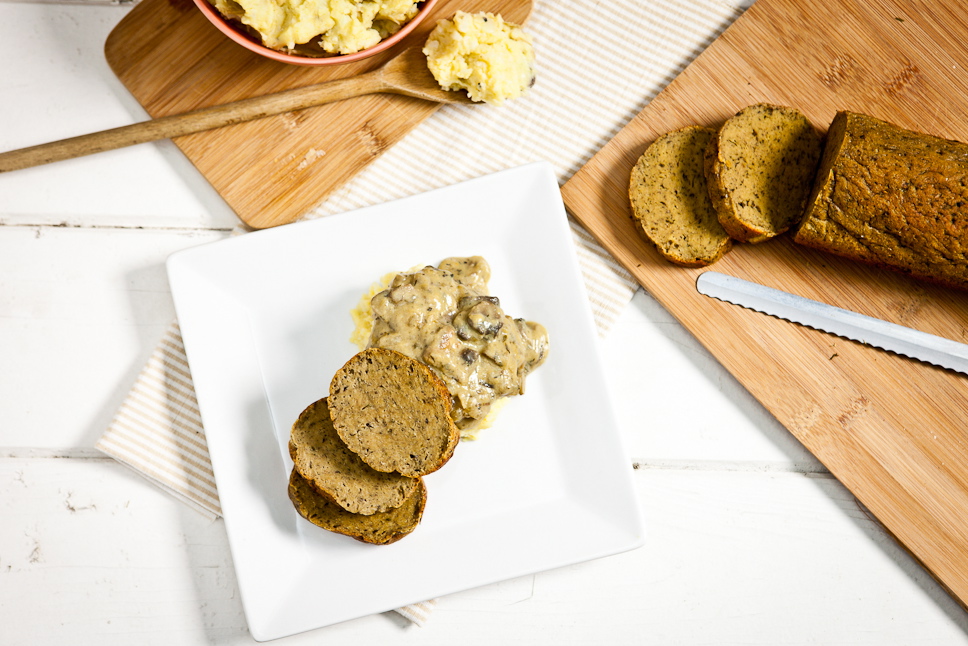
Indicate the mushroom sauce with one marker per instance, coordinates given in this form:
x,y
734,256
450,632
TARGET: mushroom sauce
x,y
444,317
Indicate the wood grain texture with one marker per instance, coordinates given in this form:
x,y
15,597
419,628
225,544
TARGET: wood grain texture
x,y
891,429
273,170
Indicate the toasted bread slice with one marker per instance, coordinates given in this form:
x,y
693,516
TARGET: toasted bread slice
x,y
380,528
393,412
670,199
321,457
760,167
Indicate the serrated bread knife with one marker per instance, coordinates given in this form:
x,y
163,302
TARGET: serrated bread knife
x,y
902,340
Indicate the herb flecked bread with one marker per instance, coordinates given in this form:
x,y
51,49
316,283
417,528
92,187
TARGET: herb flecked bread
x,y
393,412
760,168
380,528
321,457
891,197
670,199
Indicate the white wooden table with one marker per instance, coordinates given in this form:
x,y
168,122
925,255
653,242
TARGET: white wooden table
x,y
750,540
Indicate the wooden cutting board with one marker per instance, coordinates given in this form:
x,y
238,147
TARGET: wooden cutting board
x,y
276,169
893,430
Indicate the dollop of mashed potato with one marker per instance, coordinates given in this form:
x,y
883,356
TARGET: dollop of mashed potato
x,y
341,26
481,53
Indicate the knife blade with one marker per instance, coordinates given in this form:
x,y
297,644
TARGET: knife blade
x,y
868,330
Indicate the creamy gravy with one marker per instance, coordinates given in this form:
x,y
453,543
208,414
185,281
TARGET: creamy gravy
x,y
444,317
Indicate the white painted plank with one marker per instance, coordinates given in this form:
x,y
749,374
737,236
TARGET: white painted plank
x,y
91,554
737,558
675,402
80,311
55,83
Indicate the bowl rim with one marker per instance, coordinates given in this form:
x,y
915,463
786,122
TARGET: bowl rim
x,y
216,18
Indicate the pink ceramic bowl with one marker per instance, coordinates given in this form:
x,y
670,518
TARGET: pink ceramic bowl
x,y
240,37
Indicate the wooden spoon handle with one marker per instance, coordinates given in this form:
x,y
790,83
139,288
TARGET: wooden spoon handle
x,y
194,121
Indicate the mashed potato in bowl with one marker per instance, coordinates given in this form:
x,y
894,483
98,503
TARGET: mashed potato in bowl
x,y
491,59
333,26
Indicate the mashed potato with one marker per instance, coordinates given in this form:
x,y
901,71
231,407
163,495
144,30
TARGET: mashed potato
x,y
363,312
341,26
481,53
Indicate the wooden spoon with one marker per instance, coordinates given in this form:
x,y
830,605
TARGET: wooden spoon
x,y
406,73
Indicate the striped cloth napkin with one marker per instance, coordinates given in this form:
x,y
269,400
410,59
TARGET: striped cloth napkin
x,y
598,65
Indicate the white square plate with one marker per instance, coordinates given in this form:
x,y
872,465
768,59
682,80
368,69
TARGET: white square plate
x,y
266,322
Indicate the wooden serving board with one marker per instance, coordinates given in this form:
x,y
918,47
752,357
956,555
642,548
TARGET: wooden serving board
x,y
893,430
273,170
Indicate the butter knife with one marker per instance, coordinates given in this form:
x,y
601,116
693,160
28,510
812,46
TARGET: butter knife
x,y
899,339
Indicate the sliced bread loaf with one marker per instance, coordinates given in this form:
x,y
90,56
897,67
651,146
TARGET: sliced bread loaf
x,y
893,198
670,199
321,457
760,168
393,412
380,528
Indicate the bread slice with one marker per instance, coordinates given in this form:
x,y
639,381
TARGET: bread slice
x,y
760,167
321,457
670,199
380,528
393,412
